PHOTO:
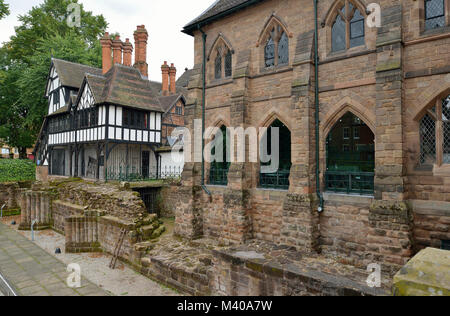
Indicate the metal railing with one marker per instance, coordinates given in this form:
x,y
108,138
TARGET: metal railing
x,y
133,174
349,182
278,180
6,288
218,176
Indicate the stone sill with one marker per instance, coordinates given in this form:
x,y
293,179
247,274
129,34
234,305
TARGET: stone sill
x,y
348,198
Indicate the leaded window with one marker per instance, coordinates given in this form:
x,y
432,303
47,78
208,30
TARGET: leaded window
x,y
435,134
427,140
223,62
434,14
446,130
283,50
228,64
348,29
218,66
276,50
269,53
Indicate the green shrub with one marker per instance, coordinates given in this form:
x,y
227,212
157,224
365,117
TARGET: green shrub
x,y
17,170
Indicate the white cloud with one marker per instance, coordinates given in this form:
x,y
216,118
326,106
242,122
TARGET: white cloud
x,y
163,19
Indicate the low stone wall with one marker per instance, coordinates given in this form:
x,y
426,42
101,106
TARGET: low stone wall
x,y
431,223
238,273
9,195
188,282
62,210
344,226
109,229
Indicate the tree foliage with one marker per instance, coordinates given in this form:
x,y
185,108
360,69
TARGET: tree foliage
x,y
25,62
4,9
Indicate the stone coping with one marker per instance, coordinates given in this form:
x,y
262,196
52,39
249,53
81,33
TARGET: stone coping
x,y
286,263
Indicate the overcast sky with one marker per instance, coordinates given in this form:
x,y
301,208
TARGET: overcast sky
x,y
163,19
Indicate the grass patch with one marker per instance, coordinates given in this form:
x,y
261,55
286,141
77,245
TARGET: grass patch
x,y
12,170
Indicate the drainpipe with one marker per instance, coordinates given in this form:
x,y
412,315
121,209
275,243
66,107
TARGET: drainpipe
x,y
316,66
203,110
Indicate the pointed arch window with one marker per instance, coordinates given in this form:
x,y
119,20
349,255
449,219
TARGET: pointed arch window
x,y
223,61
276,50
348,29
218,65
435,134
228,64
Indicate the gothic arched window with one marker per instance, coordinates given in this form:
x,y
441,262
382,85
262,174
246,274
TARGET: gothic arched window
x,y
348,29
223,60
435,134
283,50
228,64
218,65
276,50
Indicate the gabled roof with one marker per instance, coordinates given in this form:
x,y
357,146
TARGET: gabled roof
x,y
123,86
72,74
217,10
167,102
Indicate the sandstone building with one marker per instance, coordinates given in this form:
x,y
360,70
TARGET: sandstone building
x,y
383,108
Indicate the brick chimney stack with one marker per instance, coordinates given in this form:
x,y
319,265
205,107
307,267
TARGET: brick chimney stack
x,y
127,53
117,50
173,79
165,69
140,39
106,43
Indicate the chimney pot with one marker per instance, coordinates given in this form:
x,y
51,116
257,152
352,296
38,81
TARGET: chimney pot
x,y
106,43
141,38
173,79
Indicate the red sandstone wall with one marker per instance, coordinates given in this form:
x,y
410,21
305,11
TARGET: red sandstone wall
x,y
344,226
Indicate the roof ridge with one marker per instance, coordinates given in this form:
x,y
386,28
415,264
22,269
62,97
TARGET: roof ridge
x,y
73,63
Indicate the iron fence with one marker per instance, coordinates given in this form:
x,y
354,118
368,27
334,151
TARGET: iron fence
x,y
278,180
349,182
134,174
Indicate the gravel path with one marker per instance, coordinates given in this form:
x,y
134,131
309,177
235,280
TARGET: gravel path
x,y
122,281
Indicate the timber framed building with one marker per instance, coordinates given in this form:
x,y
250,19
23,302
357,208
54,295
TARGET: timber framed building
x,y
108,123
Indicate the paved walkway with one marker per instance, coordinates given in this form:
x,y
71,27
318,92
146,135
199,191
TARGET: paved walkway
x,y
33,272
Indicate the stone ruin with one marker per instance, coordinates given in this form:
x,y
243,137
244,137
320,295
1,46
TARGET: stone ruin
x,y
90,215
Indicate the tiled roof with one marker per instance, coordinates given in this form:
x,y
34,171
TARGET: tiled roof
x,y
183,81
72,74
62,110
168,101
218,7
124,86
